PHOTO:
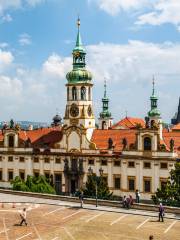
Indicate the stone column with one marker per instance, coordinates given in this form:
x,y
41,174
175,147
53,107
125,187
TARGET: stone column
x,y
124,175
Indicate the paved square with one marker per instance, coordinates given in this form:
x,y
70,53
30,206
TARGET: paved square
x,y
52,222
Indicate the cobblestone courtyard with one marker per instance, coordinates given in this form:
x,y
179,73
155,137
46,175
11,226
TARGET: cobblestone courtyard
x,y
52,222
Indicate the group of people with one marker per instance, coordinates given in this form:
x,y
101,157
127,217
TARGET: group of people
x,y
127,201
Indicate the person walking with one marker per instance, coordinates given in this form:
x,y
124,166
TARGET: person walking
x,y
151,237
161,212
81,198
137,196
23,216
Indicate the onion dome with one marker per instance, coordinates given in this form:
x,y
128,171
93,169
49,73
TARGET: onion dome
x,y
57,120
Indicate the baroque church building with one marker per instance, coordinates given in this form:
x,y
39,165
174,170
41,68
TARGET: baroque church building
x,y
131,154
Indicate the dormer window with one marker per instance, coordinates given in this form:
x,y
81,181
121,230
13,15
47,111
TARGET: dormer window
x,y
147,144
11,141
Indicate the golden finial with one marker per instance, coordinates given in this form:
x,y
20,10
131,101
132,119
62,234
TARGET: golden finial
x,y
78,22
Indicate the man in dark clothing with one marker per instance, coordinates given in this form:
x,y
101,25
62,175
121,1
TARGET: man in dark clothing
x,y
151,237
161,212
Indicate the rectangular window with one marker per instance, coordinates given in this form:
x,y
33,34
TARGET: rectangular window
x,y
36,159
147,165
163,165
10,175
131,183
163,183
117,182
131,164
147,185
117,163
46,160
57,160
91,161
22,175
36,173
10,159
103,162
0,158
105,179
47,175
21,159
0,174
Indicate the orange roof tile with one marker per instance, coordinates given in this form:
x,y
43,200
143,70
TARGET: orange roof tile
x,y
128,123
176,127
175,135
100,138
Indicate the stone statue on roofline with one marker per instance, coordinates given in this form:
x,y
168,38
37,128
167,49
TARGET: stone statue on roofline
x,y
11,124
110,143
171,145
125,143
147,120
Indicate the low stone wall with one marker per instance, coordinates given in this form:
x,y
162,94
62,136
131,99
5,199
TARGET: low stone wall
x,y
140,206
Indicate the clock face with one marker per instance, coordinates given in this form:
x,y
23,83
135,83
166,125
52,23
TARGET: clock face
x,y
74,110
89,111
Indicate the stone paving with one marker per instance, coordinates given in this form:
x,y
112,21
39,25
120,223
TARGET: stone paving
x,y
67,221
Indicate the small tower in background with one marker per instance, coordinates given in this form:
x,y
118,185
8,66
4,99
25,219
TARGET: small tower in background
x,y
154,114
176,119
105,120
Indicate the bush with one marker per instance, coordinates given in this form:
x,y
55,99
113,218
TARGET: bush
x,y
33,184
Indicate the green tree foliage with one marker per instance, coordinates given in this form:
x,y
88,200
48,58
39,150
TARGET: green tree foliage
x,y
170,194
102,187
33,184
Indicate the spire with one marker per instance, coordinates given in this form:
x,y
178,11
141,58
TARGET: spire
x,y
154,109
105,102
79,46
78,41
105,86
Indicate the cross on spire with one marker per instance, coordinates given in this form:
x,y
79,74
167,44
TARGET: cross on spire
x,y
153,82
105,87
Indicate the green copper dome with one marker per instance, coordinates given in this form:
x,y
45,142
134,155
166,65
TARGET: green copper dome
x,y
79,75
79,72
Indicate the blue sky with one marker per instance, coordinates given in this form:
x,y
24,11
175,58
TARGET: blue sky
x,y
127,42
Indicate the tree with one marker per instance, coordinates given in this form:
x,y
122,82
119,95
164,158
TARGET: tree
x,y
102,187
170,193
33,184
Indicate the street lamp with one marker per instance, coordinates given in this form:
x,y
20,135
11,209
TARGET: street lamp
x,y
90,170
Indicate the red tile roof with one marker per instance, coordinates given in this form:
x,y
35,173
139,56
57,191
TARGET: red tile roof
x,y
128,123
176,127
100,138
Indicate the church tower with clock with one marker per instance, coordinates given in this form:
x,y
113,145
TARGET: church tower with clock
x,y
79,111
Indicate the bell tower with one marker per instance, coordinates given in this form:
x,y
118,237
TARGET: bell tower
x,y
79,110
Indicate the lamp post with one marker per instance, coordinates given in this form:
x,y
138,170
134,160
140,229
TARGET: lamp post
x,y
96,178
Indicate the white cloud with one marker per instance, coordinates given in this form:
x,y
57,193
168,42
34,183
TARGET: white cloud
x,y
4,45
10,87
163,12
7,18
57,66
6,58
113,7
6,5
25,39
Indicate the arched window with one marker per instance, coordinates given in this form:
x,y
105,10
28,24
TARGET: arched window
x,y
147,144
74,93
83,93
68,93
104,126
89,93
11,141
